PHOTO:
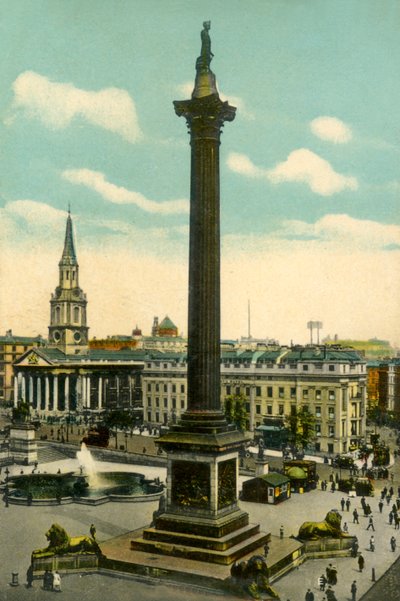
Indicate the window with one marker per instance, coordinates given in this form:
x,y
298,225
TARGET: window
x,y
269,409
182,388
317,395
292,409
237,390
182,404
67,275
269,392
157,388
258,390
331,395
58,314
331,368
173,387
331,430
281,392
318,429
76,314
165,365
228,390
318,411
149,416
173,402
305,393
157,401
247,407
258,409
165,402
157,417
149,401
331,413
148,387
292,393
165,387
305,367
247,390
281,410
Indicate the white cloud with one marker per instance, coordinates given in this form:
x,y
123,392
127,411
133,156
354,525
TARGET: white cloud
x,y
305,166
240,163
302,165
95,180
342,230
331,129
57,104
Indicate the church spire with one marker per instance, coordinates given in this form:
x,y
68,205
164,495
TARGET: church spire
x,y
69,256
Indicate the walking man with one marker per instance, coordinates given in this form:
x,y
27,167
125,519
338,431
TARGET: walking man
x,y
380,505
353,590
371,524
361,562
355,517
342,503
348,503
309,595
393,544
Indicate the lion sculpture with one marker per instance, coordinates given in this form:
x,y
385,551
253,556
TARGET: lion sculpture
x,y
252,577
331,526
60,543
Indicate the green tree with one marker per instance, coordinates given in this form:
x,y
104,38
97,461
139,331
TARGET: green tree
x,y
118,419
235,410
301,428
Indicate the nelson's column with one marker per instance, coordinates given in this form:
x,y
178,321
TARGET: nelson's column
x,y
201,519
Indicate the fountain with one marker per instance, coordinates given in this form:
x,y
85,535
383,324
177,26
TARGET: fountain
x,y
90,486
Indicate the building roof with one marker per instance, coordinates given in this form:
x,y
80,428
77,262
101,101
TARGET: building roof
x,y
21,339
297,473
167,324
275,478
68,256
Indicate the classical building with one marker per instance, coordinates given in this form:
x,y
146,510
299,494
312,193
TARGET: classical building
x,y
12,347
331,382
66,376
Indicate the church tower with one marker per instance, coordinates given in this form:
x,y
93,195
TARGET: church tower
x,y
68,330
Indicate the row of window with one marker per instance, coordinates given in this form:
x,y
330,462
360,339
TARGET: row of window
x,y
281,392
157,387
157,403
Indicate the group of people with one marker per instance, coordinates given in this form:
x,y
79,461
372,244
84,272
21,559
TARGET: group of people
x,y
52,581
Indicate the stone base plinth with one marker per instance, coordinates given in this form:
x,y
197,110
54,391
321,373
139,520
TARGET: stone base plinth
x,y
23,446
329,547
70,562
262,467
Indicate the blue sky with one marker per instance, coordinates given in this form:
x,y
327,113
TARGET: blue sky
x,y
310,179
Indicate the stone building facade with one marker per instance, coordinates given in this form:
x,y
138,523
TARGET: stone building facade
x,y
276,382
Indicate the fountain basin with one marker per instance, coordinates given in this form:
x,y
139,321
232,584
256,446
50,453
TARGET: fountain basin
x,y
53,489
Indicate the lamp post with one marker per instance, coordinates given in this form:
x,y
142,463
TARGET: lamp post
x,y
126,441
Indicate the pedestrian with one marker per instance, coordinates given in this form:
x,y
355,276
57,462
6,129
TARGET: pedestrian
x,y
388,499
361,562
144,450
353,591
56,582
322,581
328,574
333,576
342,503
380,505
345,527
390,518
266,549
348,503
391,491
355,517
330,595
396,521
393,544
281,532
371,524
333,487
354,548
47,580
309,595
92,531
29,577
372,543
